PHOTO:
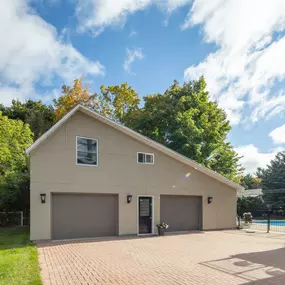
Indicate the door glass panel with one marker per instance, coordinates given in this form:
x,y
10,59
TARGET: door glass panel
x,y
144,207
145,215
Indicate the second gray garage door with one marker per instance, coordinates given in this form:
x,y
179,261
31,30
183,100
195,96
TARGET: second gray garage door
x,y
83,215
182,213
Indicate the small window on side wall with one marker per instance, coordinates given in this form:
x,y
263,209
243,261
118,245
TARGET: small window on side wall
x,y
86,151
146,158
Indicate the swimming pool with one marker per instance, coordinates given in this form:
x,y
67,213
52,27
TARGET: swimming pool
x,y
272,222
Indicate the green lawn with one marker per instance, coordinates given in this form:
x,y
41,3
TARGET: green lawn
x,y
18,258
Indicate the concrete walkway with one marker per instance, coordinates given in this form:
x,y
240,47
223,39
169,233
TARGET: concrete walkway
x,y
214,258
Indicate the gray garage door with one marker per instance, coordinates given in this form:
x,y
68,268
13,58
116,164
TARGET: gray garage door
x,y
83,215
182,213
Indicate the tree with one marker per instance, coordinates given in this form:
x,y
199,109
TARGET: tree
x,y
122,101
185,120
15,191
250,182
116,102
249,204
71,97
39,116
273,181
256,183
15,137
246,181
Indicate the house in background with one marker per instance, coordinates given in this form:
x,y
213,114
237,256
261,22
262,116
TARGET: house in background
x,y
93,177
251,193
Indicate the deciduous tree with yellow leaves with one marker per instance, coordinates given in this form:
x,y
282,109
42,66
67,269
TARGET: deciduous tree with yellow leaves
x,y
71,97
116,102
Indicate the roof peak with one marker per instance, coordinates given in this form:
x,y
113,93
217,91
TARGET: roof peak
x,y
138,137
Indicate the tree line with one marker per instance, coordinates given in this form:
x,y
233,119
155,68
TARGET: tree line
x,y
182,118
271,180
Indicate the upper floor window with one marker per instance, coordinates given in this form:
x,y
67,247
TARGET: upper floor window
x,y
86,151
147,158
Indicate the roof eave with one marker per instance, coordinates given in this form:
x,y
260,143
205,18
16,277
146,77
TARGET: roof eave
x,y
51,130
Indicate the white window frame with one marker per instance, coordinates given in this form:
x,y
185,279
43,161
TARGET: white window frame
x,y
97,152
145,153
152,216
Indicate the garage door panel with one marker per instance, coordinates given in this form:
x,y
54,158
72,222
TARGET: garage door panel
x,y
182,213
83,215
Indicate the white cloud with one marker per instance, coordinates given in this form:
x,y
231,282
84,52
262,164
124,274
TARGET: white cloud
x,y
131,56
253,158
133,33
275,111
7,94
172,5
32,51
96,15
248,61
278,135
268,106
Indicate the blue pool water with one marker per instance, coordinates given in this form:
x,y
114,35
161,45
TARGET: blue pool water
x,y
272,222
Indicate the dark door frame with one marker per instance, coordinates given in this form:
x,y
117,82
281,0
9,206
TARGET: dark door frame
x,y
152,215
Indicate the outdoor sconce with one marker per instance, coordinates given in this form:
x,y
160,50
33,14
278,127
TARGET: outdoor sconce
x,y
43,198
210,200
129,198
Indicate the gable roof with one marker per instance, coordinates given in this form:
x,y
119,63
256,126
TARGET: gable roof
x,y
138,137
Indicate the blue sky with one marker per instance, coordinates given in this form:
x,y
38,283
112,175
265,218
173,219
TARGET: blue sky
x,y
238,47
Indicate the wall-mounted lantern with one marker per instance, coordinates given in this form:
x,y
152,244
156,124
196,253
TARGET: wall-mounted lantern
x,y
129,198
210,200
43,198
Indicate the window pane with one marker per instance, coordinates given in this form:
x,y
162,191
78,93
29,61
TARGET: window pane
x,y
86,151
149,158
141,157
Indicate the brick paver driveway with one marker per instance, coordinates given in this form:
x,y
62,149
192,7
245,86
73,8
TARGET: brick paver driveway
x,y
215,258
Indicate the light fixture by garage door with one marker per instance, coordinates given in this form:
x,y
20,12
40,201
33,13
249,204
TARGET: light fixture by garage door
x,y
43,198
129,198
